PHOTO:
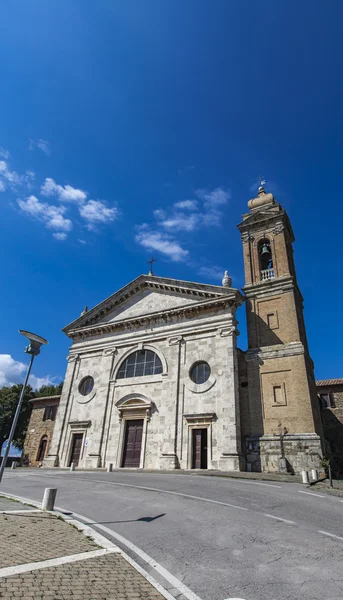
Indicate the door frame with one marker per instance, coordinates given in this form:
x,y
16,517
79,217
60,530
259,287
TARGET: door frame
x,y
70,446
133,407
199,421
122,435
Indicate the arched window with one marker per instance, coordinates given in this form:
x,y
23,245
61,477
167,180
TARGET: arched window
x,y
140,363
42,448
266,259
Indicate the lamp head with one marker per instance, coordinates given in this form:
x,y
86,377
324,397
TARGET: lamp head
x,y
36,341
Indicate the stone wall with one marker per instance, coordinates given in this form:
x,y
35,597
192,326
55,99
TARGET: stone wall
x,y
37,429
170,403
332,419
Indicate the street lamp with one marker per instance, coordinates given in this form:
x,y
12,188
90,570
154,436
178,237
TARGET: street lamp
x,y
33,348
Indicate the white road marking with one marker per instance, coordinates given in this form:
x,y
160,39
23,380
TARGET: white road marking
x,y
28,510
165,574
257,483
52,562
337,537
311,494
183,589
280,519
149,489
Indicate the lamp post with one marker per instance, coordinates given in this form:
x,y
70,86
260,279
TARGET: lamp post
x,y
33,348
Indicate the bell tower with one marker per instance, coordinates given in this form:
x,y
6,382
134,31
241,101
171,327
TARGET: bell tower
x,y
281,421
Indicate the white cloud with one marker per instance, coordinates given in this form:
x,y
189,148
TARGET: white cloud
x,y
187,204
51,216
43,145
2,186
60,236
96,212
82,241
214,198
13,371
162,242
181,222
4,153
65,193
212,272
13,178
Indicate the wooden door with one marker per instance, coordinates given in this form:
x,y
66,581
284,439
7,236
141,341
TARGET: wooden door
x,y
42,449
133,443
76,447
199,458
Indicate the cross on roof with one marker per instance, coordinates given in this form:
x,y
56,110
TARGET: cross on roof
x,y
151,262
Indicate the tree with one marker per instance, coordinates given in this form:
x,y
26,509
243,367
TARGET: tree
x,y
49,390
9,396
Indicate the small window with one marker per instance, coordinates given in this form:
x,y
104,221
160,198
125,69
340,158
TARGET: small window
x,y
327,400
86,386
200,372
139,364
50,413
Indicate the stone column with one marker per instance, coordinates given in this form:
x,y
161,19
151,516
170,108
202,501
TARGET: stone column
x,y
53,457
231,458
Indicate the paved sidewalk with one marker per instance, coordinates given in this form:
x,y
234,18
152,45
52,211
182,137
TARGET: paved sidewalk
x,y
44,557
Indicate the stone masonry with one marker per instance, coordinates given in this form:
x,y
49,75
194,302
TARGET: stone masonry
x,y
40,428
182,323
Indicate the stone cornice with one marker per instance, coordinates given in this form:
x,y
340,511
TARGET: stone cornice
x,y
162,284
264,219
277,351
161,317
270,287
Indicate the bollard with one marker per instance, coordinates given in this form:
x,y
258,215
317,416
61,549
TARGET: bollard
x,y
314,474
14,465
49,499
305,477
109,467
72,467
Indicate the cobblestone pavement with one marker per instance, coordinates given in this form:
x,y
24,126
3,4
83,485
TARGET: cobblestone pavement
x,y
31,537
28,537
108,577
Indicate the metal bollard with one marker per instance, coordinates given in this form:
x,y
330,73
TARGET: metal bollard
x,y
305,477
49,498
72,467
314,474
109,467
14,465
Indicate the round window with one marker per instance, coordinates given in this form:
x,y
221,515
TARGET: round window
x,y
200,372
86,386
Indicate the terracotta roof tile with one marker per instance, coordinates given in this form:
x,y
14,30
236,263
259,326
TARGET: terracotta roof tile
x,y
328,382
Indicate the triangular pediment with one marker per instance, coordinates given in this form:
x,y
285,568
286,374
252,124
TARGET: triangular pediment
x,y
148,295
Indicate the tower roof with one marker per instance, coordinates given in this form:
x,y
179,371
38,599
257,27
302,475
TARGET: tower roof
x,y
261,199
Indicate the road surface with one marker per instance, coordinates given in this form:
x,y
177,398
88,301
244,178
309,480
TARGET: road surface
x,y
209,538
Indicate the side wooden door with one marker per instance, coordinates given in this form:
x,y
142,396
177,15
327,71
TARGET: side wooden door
x,y
133,443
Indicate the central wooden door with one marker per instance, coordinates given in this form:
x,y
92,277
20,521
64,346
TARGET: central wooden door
x,y
133,443
76,447
199,454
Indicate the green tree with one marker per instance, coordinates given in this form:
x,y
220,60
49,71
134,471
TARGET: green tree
x,y
9,396
49,390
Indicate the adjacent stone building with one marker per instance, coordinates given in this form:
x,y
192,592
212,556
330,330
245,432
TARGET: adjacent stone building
x,y
330,392
155,379
40,429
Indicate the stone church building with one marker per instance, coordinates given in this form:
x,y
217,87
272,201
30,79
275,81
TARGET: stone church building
x,y
155,379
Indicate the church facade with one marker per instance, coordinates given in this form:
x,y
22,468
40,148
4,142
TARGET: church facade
x,y
155,379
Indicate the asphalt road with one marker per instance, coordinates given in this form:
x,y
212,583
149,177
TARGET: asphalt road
x,y
209,538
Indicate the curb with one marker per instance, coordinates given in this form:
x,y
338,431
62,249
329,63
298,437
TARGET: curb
x,y
97,538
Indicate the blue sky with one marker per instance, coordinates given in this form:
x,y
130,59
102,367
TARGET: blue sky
x,y
116,113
